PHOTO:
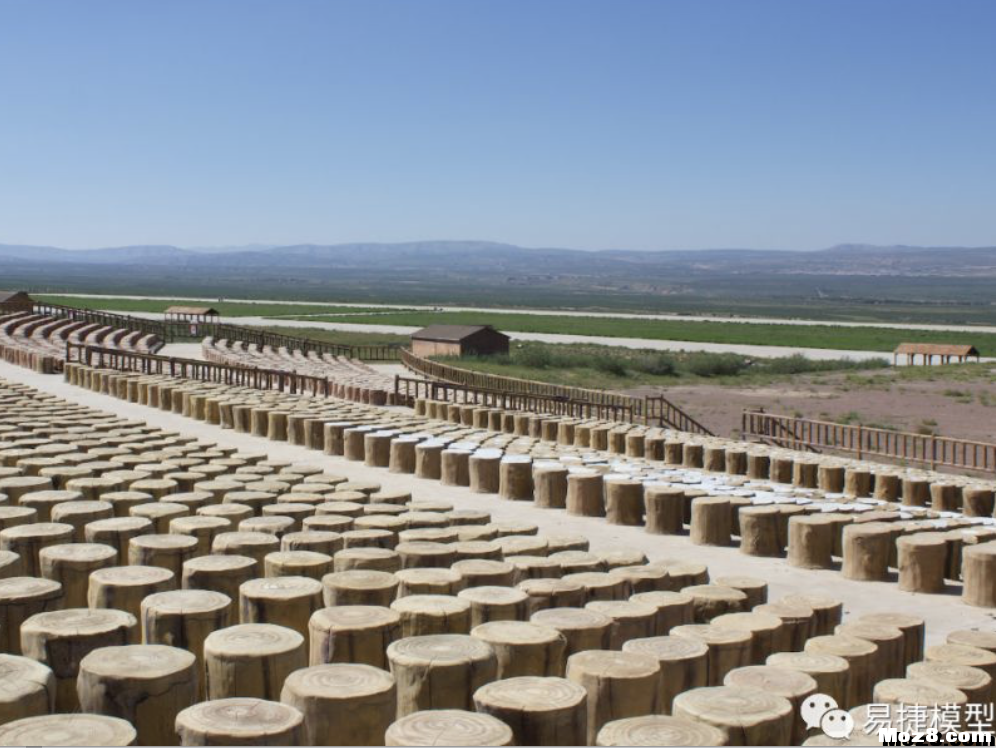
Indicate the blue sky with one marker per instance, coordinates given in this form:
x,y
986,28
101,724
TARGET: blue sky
x,y
643,124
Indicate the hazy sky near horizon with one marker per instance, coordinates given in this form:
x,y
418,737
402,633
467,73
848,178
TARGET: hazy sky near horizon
x,y
641,124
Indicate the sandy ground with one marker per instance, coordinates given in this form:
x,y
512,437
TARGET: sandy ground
x,y
183,350
943,613
963,410
607,315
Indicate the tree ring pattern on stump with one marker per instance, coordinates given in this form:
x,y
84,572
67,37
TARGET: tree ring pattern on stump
x,y
449,727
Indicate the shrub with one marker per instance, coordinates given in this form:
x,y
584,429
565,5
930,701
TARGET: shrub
x,y
718,365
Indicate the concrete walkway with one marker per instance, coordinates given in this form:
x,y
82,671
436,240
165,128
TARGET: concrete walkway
x,y
943,613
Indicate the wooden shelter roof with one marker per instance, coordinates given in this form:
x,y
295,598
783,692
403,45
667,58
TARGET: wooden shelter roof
x,y
937,349
8,295
451,333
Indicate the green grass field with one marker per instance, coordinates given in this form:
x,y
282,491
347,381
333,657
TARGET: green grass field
x,y
610,367
226,308
805,336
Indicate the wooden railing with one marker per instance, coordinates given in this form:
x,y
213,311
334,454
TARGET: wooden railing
x,y
410,389
108,319
257,336
197,370
656,410
868,442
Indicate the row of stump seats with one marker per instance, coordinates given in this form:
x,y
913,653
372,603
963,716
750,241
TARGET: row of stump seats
x,y
159,590
793,507
350,379
38,341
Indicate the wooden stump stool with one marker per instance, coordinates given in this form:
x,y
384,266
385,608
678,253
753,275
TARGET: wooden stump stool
x,y
729,648
342,703
767,632
747,716
979,575
428,581
71,564
912,627
185,618
68,729
829,671
659,730
145,684
27,541
524,649
909,692
27,688
861,658
619,685
440,672
866,551
977,501
166,551
218,573
124,588
960,654
455,467
479,572
665,506
240,721
551,593
711,521
810,541
673,609
759,534
117,533
539,710
360,587
251,660
789,684
683,664
483,466
60,639
827,611
284,601
623,501
550,485
922,558
448,727
353,633
711,600
423,615
976,684
584,494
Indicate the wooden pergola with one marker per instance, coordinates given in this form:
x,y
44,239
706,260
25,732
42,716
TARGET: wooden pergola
x,y
191,314
943,351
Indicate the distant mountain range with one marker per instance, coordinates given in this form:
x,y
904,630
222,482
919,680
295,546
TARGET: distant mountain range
x,y
474,273
479,257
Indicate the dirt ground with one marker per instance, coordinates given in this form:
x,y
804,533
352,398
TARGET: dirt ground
x,y
946,407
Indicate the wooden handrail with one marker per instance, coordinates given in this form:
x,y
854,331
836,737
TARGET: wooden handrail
x,y
868,441
656,410
195,369
259,337
108,319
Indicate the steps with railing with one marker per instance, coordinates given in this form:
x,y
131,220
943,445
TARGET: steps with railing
x,y
655,410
